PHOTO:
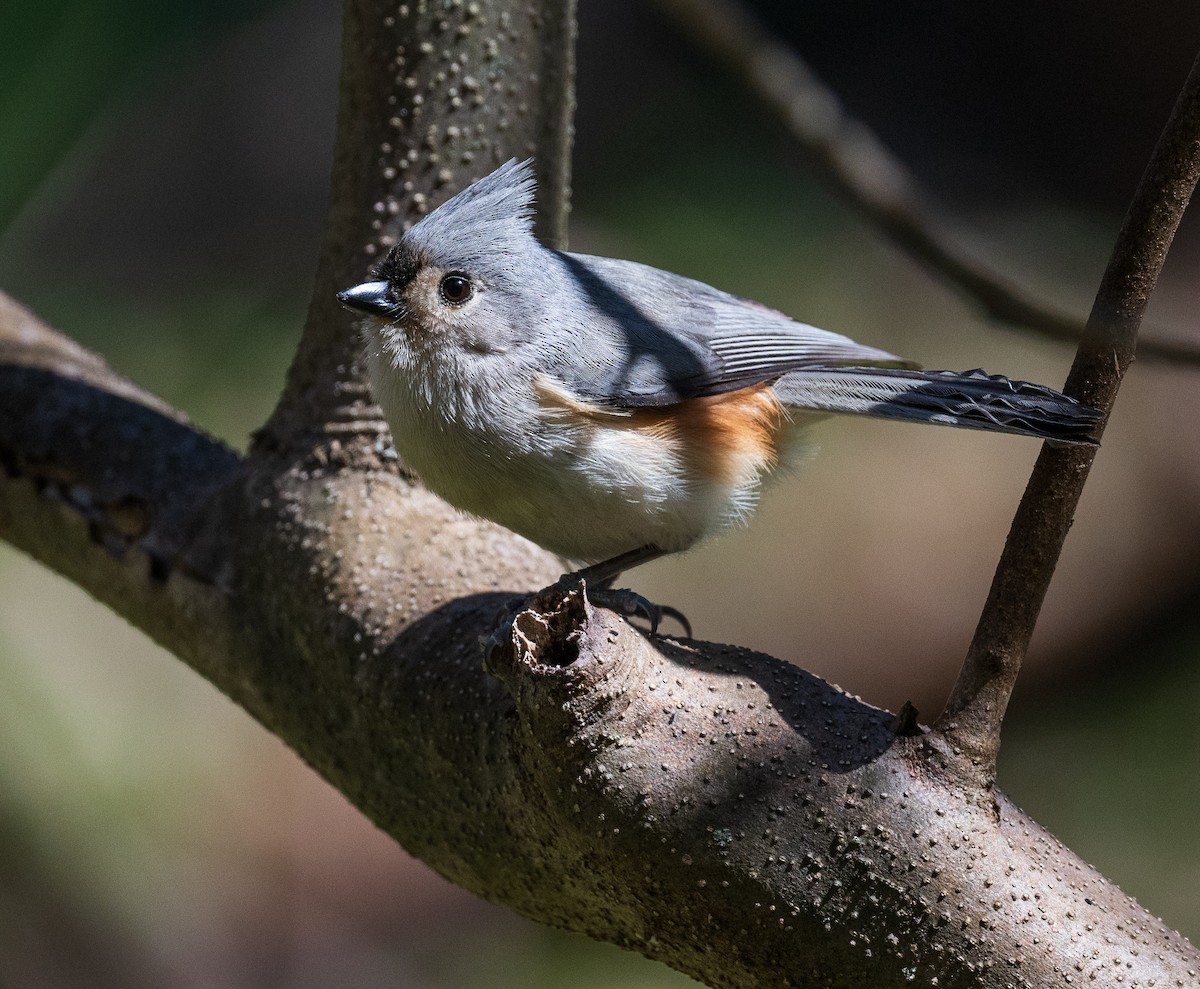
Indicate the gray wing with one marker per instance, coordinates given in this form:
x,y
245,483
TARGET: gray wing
x,y
644,337
641,337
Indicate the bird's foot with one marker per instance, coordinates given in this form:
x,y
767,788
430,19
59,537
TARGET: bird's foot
x,y
629,604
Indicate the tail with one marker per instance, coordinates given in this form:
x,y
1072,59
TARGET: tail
x,y
968,399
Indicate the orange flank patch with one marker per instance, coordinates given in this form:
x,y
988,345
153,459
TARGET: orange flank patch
x,y
724,435
721,436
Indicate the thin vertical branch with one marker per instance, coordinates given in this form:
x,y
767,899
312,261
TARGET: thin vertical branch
x,y
975,710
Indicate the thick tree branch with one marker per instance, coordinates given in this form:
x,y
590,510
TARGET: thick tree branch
x,y
857,164
116,491
974,713
85,439
711,807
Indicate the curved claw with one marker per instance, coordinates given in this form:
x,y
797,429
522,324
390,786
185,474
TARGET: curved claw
x,y
630,604
665,610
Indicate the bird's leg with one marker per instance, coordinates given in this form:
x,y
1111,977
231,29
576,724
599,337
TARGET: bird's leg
x,y
603,574
599,577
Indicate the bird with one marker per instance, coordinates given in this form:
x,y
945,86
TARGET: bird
x,y
612,412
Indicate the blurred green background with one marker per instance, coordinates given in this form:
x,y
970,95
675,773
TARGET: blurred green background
x,y
163,170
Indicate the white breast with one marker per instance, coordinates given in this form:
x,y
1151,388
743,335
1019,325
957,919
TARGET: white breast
x,y
570,483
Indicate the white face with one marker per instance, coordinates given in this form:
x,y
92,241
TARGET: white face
x,y
440,307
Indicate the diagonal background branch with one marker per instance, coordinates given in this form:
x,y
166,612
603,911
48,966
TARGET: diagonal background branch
x,y
858,165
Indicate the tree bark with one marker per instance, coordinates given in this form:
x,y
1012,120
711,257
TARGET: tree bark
x,y
719,810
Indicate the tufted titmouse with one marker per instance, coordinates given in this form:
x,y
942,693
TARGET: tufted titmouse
x,y
612,412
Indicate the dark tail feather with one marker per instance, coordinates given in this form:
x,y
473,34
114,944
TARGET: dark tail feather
x,y
968,399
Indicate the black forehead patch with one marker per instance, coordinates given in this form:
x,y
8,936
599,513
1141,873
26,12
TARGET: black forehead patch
x,y
398,267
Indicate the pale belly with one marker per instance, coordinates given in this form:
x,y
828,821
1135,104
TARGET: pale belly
x,y
583,487
586,495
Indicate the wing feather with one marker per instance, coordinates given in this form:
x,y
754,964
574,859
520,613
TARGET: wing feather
x,y
655,338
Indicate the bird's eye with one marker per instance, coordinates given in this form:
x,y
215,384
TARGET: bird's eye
x,y
456,289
